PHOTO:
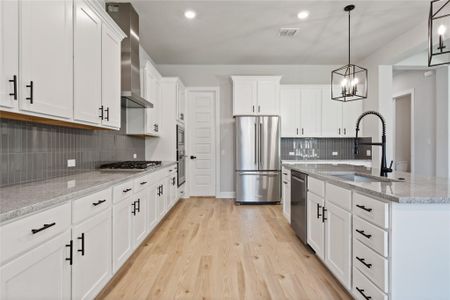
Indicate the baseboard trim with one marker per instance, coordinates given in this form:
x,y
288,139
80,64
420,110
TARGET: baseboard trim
x,y
226,195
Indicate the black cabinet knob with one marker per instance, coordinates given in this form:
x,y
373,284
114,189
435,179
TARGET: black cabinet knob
x,y
193,157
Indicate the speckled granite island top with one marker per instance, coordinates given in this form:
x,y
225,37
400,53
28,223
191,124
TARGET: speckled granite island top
x,y
413,189
22,199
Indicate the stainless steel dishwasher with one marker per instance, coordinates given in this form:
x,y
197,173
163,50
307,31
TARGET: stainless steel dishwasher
x,y
299,185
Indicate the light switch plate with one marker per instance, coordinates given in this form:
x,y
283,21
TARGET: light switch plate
x,y
71,163
334,153
368,152
135,155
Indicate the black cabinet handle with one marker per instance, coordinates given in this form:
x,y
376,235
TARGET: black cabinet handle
x,y
98,202
361,232
361,291
127,190
31,92
318,211
138,206
345,131
134,208
34,231
14,81
253,108
363,261
323,214
101,112
182,116
364,208
82,244
303,131
339,130
70,258
162,190
107,114
173,181
143,182
193,157
259,108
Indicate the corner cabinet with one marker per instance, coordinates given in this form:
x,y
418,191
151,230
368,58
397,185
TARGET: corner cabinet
x,y
256,95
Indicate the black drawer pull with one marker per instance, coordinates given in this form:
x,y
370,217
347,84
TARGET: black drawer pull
x,y
134,208
14,81
70,258
31,92
127,190
363,261
361,291
285,182
138,206
33,231
361,232
318,211
323,214
98,202
107,114
82,244
143,182
101,112
364,208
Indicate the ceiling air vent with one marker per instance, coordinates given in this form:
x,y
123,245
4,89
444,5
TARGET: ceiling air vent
x,y
288,32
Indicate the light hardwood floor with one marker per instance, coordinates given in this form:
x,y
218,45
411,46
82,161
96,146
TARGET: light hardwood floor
x,y
211,249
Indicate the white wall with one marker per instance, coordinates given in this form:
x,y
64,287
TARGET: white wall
x,y
219,75
442,122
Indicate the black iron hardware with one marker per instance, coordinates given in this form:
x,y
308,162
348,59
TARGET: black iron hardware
x,y
193,157
127,190
297,131
259,108
285,182
138,206
14,81
363,261
339,130
98,202
143,182
70,258
156,127
361,291
303,131
173,181
363,233
82,244
345,131
253,109
318,211
323,214
107,114
31,92
181,116
101,112
33,231
134,208
364,208
159,191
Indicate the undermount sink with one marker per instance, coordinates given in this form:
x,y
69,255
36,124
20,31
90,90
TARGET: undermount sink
x,y
360,177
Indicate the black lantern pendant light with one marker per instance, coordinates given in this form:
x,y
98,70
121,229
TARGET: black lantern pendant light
x,y
349,83
438,22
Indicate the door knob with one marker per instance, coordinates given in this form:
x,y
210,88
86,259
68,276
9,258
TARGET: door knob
x,y
193,157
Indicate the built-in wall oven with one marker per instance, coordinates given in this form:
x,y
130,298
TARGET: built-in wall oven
x,y
181,156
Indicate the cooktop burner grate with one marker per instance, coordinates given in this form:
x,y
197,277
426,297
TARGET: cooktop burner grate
x,y
131,164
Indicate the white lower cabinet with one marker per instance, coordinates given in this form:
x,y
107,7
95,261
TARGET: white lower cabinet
x,y
139,220
338,232
122,232
91,268
286,193
41,273
153,207
315,224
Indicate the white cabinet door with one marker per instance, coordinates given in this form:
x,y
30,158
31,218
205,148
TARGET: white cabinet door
x,y
161,201
91,268
41,273
173,190
290,111
9,53
110,78
286,190
350,113
244,97
152,211
331,115
122,232
181,100
139,211
152,93
338,230
87,64
311,111
46,57
268,97
315,225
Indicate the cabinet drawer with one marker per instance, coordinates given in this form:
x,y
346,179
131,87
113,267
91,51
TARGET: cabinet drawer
x,y
27,233
371,264
316,186
123,191
141,183
371,210
371,235
364,289
339,196
90,205
286,175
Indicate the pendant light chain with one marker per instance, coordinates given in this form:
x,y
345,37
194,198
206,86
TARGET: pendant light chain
x,y
349,37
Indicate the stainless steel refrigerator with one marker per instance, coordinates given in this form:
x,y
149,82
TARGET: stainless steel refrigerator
x,y
257,159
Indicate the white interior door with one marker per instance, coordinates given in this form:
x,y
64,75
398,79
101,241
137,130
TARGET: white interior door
x,y
202,146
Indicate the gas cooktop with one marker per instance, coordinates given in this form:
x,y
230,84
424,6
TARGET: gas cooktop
x,y
130,165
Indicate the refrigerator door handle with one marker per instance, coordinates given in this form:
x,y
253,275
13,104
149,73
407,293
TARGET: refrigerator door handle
x,y
261,173
255,145
260,146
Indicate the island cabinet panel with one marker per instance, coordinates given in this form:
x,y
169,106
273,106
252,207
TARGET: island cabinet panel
x,y
316,224
339,196
371,210
364,289
371,236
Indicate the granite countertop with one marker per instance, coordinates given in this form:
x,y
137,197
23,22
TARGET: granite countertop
x,y
328,161
21,199
413,189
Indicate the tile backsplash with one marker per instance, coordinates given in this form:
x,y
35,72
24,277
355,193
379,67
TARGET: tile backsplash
x,y
322,148
31,152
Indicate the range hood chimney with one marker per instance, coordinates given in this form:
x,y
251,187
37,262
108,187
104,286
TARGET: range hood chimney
x,y
127,18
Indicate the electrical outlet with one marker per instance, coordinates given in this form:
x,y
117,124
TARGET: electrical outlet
x,y
368,152
291,153
134,155
334,153
71,163
71,184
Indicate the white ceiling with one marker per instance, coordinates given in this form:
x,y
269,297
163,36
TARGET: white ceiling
x,y
246,32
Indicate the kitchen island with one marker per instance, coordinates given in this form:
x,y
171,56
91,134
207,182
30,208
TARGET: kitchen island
x,y
383,238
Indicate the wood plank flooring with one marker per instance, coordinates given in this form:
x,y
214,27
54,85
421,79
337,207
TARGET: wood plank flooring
x,y
211,249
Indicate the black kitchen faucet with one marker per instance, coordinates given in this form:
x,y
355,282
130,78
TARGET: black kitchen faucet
x,y
384,170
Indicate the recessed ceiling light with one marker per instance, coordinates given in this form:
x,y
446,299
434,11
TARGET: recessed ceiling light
x,y
304,14
190,14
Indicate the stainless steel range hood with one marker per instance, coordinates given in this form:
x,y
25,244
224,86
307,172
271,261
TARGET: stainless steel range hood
x,y
126,17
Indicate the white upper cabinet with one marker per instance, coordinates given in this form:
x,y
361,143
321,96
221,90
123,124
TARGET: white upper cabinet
x,y
181,102
331,115
87,64
9,53
350,113
290,108
152,92
311,111
256,95
46,57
